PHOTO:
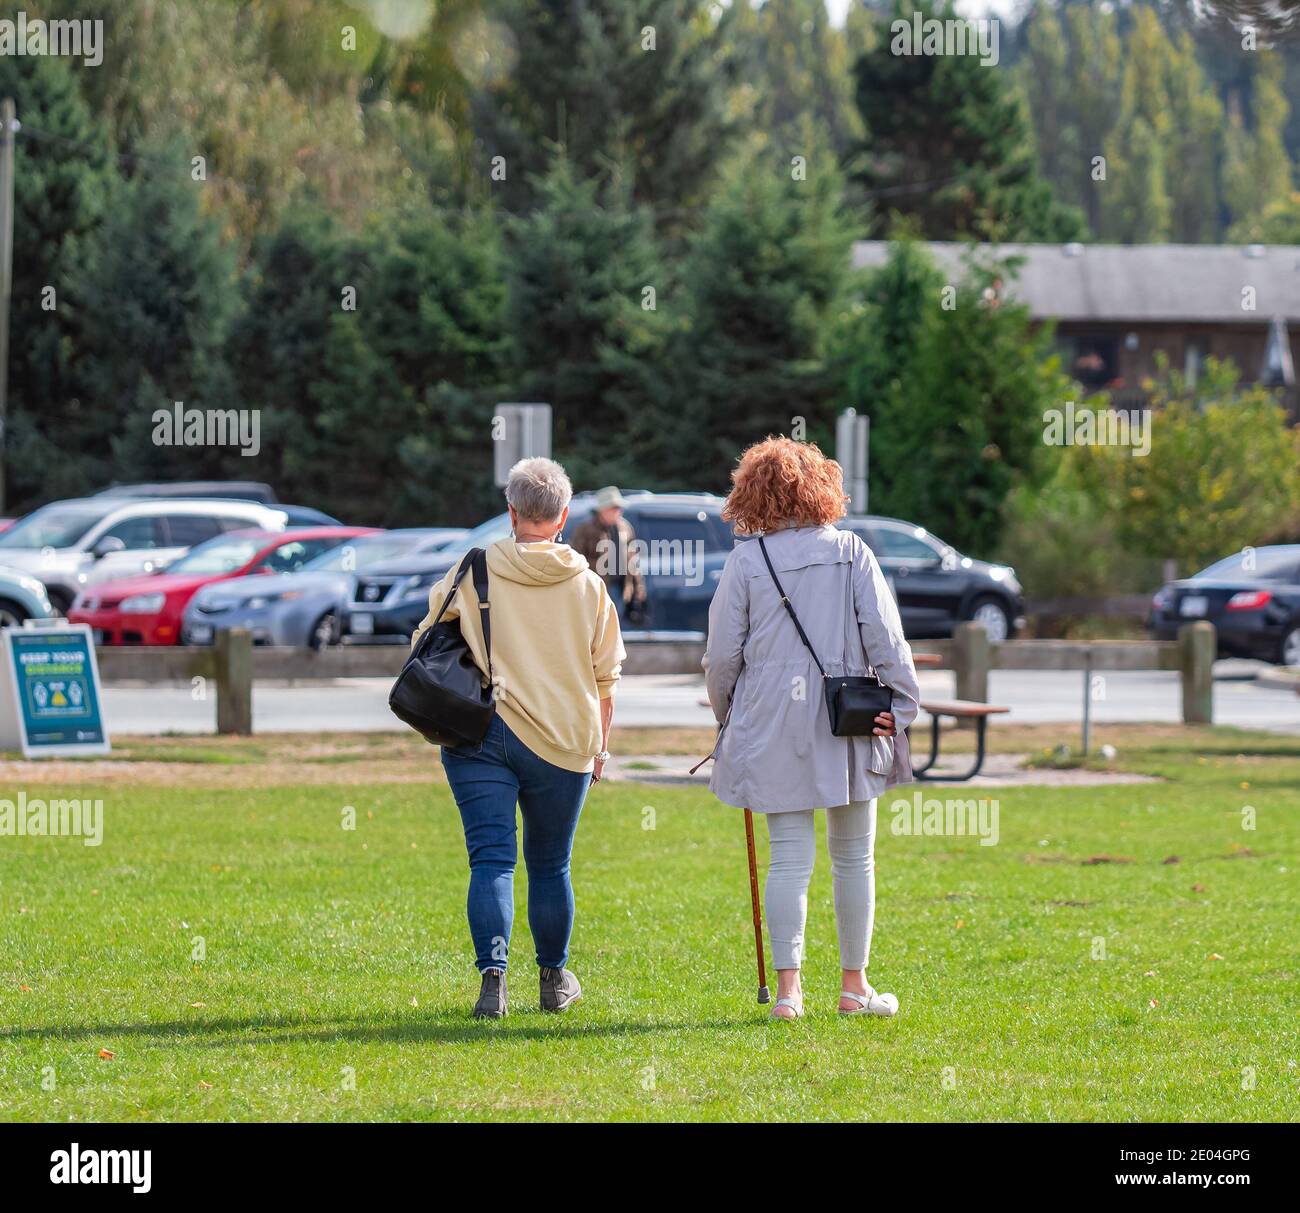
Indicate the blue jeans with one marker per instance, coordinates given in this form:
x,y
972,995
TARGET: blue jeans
x,y
487,780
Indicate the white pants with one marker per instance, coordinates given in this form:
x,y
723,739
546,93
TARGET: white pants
x,y
851,837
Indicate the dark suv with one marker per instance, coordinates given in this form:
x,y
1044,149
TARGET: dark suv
x,y
686,544
936,587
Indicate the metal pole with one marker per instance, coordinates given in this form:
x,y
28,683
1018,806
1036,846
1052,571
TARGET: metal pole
x,y
1087,698
8,126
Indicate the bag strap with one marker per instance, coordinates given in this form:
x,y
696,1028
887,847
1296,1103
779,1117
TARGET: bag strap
x,y
786,602
479,565
426,637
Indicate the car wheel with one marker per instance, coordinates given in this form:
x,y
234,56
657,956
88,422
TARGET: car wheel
x,y
1289,650
11,614
60,602
325,633
993,615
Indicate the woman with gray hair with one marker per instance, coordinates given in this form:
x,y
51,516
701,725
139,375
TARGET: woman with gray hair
x,y
556,654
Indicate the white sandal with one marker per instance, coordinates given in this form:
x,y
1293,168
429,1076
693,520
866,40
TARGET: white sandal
x,y
795,1004
870,1003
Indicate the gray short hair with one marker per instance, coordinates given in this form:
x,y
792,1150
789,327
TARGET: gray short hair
x,y
539,489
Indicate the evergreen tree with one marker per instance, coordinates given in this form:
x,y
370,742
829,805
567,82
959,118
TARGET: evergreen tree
x,y
1258,173
763,276
948,143
150,309
63,177
589,309
390,391
955,379
640,87
793,67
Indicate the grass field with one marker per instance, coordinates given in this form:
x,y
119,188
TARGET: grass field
x,y
1124,953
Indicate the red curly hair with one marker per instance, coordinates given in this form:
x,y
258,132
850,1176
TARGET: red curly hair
x,y
780,482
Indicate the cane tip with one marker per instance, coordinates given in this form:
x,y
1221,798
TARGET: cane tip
x,y
763,994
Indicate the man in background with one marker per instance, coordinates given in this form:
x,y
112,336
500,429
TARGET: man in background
x,y
607,540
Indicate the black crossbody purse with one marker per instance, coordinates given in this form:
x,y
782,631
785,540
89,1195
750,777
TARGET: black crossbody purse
x,y
853,701
440,691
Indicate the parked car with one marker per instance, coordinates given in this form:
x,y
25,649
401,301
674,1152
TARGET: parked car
x,y
230,490
936,587
149,610
1252,598
22,596
686,545
70,545
299,609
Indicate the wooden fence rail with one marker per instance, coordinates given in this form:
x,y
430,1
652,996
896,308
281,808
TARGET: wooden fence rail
x,y
234,664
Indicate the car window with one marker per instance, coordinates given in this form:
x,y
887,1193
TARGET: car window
x,y
221,555
672,538
53,526
185,530
1259,564
290,557
136,533
898,544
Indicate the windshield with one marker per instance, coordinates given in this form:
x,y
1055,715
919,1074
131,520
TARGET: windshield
x,y
361,553
1261,564
219,555
483,535
54,526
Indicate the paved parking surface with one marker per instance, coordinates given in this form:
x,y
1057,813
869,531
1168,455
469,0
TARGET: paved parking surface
x,y
1034,696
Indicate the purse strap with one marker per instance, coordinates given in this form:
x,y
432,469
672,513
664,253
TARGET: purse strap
x,y
479,565
786,602
476,560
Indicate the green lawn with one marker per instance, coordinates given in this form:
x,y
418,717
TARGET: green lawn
x,y
336,980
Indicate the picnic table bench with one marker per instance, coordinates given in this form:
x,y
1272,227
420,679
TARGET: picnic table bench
x,y
959,709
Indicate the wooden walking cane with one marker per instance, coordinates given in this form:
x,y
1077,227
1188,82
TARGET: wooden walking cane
x,y
763,994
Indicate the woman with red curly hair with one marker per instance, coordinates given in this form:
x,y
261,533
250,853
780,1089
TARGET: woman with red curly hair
x,y
776,753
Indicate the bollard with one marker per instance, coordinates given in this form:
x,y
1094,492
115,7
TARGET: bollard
x,y
1197,648
233,662
971,657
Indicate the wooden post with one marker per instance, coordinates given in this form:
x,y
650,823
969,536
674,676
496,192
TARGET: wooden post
x,y
1197,648
971,657
234,672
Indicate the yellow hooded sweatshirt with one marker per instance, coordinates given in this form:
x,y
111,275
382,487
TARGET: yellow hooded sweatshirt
x,y
557,648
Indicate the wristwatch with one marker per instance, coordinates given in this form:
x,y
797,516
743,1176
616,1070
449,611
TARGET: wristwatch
x,y
603,756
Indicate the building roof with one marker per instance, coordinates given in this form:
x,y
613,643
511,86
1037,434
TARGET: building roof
x,y
1189,283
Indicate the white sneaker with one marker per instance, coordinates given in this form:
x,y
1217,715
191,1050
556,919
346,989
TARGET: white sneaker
x,y
870,1003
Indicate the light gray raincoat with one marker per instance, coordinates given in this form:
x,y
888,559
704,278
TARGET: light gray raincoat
x,y
776,751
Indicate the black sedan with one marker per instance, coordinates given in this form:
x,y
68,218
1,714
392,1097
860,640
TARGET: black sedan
x,y
685,546
1252,598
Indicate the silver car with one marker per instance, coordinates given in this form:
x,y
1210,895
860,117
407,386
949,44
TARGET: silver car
x,y
302,609
22,597
69,545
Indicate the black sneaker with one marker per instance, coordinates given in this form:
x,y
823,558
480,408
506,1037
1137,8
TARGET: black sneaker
x,y
560,989
492,997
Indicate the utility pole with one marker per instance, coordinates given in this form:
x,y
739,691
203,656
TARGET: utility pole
x,y
8,128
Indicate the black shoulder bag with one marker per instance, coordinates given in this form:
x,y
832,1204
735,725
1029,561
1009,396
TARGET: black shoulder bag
x,y
440,691
853,702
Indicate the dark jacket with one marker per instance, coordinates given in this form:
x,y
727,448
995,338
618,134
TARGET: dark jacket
x,y
612,553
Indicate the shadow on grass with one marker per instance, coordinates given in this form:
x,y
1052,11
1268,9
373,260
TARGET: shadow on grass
x,y
445,1027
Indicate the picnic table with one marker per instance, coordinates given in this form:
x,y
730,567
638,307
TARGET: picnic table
x,y
958,709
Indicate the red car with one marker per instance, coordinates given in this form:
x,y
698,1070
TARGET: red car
x,y
147,610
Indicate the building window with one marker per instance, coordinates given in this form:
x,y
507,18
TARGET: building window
x,y
1092,359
